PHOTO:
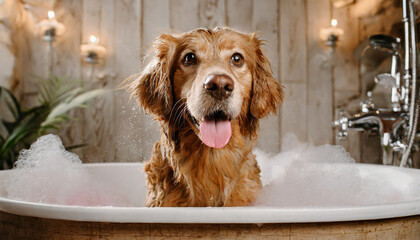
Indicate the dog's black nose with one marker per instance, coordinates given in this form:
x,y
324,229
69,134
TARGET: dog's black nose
x,y
219,86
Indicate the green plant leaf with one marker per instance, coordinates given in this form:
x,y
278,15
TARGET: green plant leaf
x,y
56,97
28,126
78,101
68,148
54,124
68,95
11,102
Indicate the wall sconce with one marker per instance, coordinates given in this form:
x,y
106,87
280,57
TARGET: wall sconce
x,y
50,28
92,52
332,34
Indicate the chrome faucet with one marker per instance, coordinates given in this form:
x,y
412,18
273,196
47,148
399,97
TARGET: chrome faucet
x,y
388,124
397,126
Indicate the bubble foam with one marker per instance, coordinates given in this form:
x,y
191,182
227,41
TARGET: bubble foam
x,y
303,175
47,173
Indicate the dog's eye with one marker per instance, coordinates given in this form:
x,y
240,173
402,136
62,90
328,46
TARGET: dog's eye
x,y
190,59
237,59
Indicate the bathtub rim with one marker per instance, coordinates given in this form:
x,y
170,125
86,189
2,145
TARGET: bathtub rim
x,y
210,215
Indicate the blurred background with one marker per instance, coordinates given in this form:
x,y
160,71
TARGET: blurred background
x,y
318,81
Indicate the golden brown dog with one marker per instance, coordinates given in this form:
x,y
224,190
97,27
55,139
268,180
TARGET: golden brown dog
x,y
207,88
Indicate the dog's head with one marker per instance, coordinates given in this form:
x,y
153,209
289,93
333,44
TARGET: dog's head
x,y
211,79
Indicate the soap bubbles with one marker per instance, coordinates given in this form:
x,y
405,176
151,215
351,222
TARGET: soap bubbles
x,y
303,175
300,176
47,173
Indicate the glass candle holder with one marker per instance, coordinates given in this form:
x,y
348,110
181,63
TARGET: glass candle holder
x,y
92,52
50,28
331,34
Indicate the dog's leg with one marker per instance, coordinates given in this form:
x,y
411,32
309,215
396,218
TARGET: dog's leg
x,y
162,190
247,186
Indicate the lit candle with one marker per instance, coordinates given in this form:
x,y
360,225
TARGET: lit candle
x,y
333,30
51,15
50,28
92,52
334,23
93,39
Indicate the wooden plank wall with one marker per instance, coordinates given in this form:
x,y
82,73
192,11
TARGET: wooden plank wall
x,y
116,128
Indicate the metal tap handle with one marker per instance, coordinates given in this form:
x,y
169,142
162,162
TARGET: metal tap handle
x,y
341,124
369,96
385,43
367,105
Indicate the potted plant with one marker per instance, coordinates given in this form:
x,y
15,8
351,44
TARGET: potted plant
x,y
19,127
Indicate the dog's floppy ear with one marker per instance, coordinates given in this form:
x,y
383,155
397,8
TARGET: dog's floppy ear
x,y
154,88
267,93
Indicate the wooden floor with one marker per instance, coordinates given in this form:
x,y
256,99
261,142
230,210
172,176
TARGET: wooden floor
x,y
18,227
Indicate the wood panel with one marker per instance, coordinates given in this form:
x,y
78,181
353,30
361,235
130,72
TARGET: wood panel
x,y
66,63
319,99
346,67
77,132
20,227
293,111
105,77
155,21
265,20
99,120
211,13
293,56
183,15
128,123
293,50
7,61
31,54
239,15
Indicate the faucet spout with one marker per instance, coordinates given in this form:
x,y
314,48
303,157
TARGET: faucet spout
x,y
385,123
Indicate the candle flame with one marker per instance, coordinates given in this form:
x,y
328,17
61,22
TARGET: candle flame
x,y
93,39
51,15
334,22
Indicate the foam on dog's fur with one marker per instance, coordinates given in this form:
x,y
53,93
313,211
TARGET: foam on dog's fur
x,y
302,175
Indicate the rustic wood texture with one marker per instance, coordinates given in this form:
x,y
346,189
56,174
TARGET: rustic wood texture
x,y
128,120
66,62
265,21
183,15
104,76
239,18
117,130
156,20
211,13
319,105
293,74
19,227
30,53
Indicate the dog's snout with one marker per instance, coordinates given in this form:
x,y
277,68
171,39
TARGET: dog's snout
x,y
219,86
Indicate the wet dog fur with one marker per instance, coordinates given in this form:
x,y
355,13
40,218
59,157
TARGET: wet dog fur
x,y
182,171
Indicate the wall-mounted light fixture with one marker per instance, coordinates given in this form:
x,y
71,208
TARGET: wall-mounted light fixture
x,y
92,52
50,28
331,34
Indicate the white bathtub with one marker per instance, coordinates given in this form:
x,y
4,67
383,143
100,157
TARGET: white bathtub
x,y
129,179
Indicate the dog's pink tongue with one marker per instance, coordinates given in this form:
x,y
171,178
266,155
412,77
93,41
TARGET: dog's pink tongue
x,y
215,134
